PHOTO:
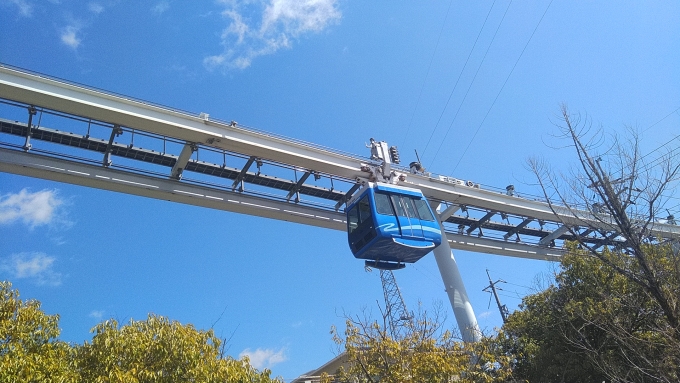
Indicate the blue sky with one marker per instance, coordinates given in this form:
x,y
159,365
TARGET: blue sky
x,y
334,73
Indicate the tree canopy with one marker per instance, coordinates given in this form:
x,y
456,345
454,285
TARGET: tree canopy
x,y
422,352
594,324
153,350
29,346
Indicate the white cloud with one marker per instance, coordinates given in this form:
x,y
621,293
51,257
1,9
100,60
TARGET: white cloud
x,y
160,7
33,209
69,36
35,266
95,8
25,8
264,358
280,23
96,314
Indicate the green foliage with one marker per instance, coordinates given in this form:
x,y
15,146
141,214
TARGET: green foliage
x,y
425,353
596,324
154,350
160,350
29,349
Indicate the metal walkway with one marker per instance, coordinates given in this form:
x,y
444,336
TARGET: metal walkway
x,y
93,138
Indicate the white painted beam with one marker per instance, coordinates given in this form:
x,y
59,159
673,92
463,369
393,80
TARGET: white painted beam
x,y
78,100
60,170
508,248
96,104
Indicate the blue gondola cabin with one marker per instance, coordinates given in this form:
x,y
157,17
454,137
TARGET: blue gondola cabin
x,y
389,225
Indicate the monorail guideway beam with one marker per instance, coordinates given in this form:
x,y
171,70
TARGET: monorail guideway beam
x,y
163,188
195,131
39,90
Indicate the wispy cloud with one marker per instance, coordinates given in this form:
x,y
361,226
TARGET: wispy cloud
x,y
160,7
69,36
280,22
35,266
485,314
95,8
264,358
24,7
33,209
97,314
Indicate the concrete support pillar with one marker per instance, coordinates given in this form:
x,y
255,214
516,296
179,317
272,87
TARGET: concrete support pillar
x,y
455,289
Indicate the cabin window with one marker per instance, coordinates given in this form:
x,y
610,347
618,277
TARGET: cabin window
x,y
382,204
359,214
423,210
364,210
353,218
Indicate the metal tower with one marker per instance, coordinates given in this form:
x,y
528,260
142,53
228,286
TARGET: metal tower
x,y
398,317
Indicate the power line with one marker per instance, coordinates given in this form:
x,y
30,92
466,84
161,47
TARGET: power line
x,y
472,82
408,129
459,76
658,122
502,87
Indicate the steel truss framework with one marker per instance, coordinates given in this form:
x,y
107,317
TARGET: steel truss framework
x,y
67,132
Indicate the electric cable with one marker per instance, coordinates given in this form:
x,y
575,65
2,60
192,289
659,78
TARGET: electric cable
x,y
501,90
459,76
408,129
472,82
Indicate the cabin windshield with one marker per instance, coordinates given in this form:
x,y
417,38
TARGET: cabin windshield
x,y
398,205
382,204
423,210
411,207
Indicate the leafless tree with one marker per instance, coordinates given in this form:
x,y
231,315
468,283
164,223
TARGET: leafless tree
x,y
623,197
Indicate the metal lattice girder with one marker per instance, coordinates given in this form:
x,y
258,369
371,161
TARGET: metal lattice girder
x,y
44,92
296,188
547,240
178,168
163,159
516,229
92,175
153,157
242,173
478,224
448,212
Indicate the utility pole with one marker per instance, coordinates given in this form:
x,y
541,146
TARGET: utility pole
x,y
492,285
